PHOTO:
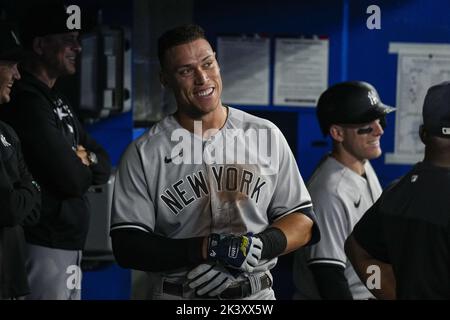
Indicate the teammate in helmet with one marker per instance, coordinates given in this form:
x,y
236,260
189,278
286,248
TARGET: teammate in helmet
x,y
342,188
405,234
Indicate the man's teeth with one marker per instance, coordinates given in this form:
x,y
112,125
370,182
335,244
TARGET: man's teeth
x,y
205,92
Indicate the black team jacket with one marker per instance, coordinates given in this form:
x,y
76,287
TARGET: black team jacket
x,y
19,204
50,133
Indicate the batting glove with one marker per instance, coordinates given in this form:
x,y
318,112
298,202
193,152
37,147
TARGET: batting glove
x,y
239,252
209,279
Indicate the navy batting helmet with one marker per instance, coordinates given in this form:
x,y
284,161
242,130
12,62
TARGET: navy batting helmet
x,y
350,102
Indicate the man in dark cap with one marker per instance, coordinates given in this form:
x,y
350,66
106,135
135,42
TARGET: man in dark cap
x,y
19,194
342,188
64,159
405,235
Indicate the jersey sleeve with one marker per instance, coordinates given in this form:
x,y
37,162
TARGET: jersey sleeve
x,y
290,193
132,205
334,225
368,232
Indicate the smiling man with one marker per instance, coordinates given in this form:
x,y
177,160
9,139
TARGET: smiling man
x,y
62,157
8,74
342,188
207,229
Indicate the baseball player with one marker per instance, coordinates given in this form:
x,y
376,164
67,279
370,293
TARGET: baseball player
x,y
342,187
210,196
403,241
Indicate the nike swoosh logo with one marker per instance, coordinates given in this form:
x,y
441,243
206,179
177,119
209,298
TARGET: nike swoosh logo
x,y
169,160
357,203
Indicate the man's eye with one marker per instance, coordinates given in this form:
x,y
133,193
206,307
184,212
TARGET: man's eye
x,y
364,130
208,64
184,72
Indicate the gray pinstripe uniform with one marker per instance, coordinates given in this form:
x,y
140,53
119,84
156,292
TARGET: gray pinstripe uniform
x,y
154,193
340,197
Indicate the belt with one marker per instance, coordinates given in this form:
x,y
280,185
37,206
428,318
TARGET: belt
x,y
238,290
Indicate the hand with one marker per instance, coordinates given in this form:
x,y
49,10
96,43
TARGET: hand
x,y
239,252
209,279
83,155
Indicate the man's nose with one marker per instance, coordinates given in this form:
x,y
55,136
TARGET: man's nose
x,y
378,128
200,76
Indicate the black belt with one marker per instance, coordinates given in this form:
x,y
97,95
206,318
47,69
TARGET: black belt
x,y
238,290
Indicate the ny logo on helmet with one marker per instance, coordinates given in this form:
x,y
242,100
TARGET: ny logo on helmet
x,y
373,98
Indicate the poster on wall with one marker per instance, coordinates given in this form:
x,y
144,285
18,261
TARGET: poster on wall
x,y
419,67
244,63
301,71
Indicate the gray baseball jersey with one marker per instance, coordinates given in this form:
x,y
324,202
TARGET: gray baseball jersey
x,y
178,185
340,197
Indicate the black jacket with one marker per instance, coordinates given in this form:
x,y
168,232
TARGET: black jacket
x,y
19,204
50,132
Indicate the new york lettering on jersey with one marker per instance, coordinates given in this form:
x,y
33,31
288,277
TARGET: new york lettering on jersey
x,y
226,179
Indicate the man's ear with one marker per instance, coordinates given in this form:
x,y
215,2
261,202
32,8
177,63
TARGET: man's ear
x,y
38,45
337,133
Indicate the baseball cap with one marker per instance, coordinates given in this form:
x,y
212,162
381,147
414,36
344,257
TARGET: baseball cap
x,y
351,102
436,110
10,46
42,20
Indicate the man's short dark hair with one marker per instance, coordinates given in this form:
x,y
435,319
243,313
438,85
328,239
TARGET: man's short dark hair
x,y
176,36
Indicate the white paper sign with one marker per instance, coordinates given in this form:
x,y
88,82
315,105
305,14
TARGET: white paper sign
x,y
244,64
419,67
301,71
